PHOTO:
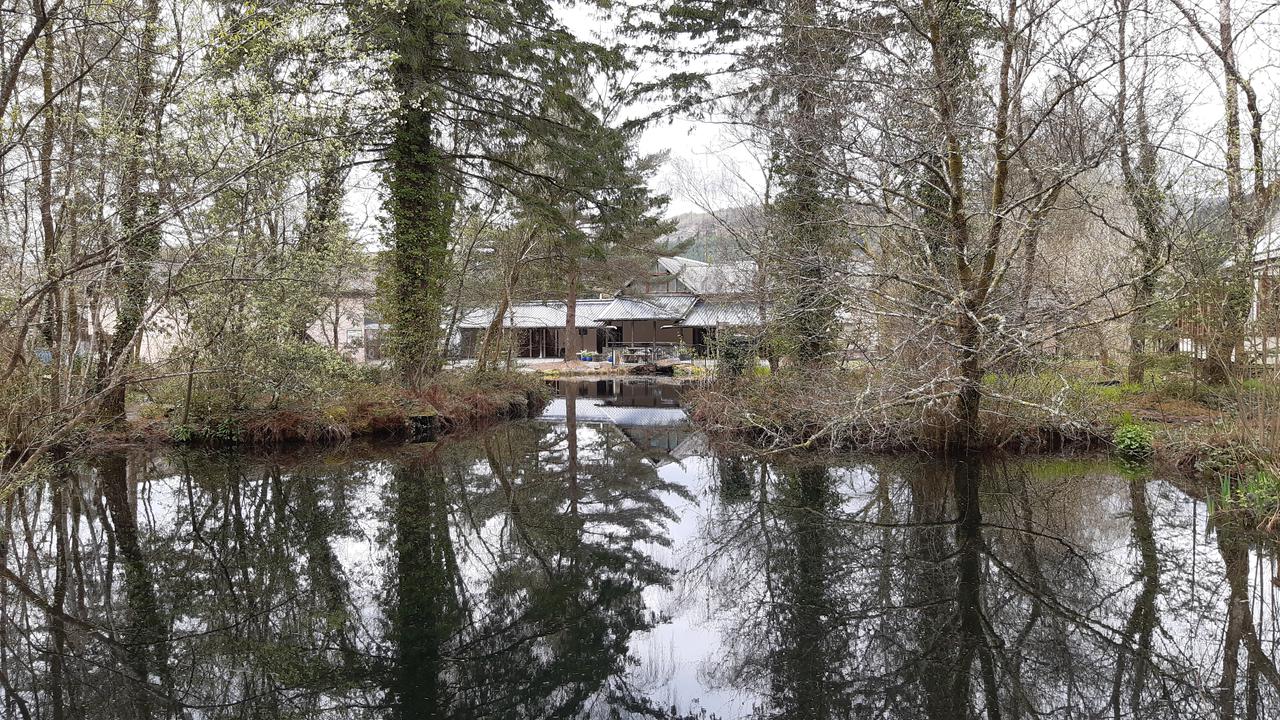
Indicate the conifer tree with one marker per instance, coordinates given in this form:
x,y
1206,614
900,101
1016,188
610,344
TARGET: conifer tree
x,y
788,56
472,80
593,202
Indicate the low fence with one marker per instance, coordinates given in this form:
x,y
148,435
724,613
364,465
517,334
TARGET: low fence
x,y
642,352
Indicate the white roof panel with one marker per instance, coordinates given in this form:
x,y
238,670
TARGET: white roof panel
x,y
594,410
538,314
652,307
720,279
715,313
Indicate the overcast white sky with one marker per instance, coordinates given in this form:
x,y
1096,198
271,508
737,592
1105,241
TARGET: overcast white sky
x,y
707,168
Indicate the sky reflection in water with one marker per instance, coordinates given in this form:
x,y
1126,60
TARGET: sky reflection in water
x,y
604,562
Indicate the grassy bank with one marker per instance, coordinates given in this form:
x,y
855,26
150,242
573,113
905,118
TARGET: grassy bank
x,y
1225,439
847,410
360,409
839,411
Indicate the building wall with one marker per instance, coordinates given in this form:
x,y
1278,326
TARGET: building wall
x,y
342,327
533,341
651,331
156,344
590,340
1262,339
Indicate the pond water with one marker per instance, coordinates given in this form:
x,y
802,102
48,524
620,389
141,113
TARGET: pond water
x,y
603,561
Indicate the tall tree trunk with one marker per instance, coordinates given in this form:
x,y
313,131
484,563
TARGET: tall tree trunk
x,y
491,334
1246,214
572,341
1222,360
1141,186
138,222
1030,259
967,430
970,269
969,259
803,208
51,323
421,201
324,212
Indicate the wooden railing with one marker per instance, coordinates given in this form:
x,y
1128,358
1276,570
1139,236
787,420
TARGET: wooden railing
x,y
640,352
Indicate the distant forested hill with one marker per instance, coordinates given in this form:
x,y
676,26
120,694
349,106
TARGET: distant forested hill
x,y
715,237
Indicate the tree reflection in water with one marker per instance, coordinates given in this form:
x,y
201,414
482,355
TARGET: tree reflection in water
x,y
963,590
527,571
545,632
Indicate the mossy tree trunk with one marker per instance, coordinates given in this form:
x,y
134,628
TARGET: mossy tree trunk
x,y
139,222
322,224
421,200
804,208
1141,185
968,257
1247,210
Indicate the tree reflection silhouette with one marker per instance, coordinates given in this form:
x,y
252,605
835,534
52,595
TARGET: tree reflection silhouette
x,y
806,637
544,631
964,589
515,573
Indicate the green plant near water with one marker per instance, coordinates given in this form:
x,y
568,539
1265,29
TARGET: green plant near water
x,y
1132,439
1258,491
224,431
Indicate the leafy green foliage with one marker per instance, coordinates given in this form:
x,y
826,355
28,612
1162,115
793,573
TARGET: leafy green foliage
x,y
224,431
475,82
1257,491
1132,439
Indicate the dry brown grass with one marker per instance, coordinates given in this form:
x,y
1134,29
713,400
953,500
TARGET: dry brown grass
x,y
457,401
839,411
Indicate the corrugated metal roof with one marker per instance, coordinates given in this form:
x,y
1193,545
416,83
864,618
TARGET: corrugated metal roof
x,y
675,265
695,445
584,409
644,416
538,314
653,307
716,313
721,279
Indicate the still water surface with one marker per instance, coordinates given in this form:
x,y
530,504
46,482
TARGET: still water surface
x,y
603,561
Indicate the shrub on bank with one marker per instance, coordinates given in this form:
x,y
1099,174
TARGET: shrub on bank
x,y
1133,440
362,409
854,409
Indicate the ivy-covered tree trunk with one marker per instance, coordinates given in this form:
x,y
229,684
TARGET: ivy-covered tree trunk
x,y
421,202
322,224
138,222
803,209
53,310
1142,186
1246,210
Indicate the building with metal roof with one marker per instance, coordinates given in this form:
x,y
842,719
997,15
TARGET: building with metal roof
x,y
679,303
653,307
539,314
537,329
